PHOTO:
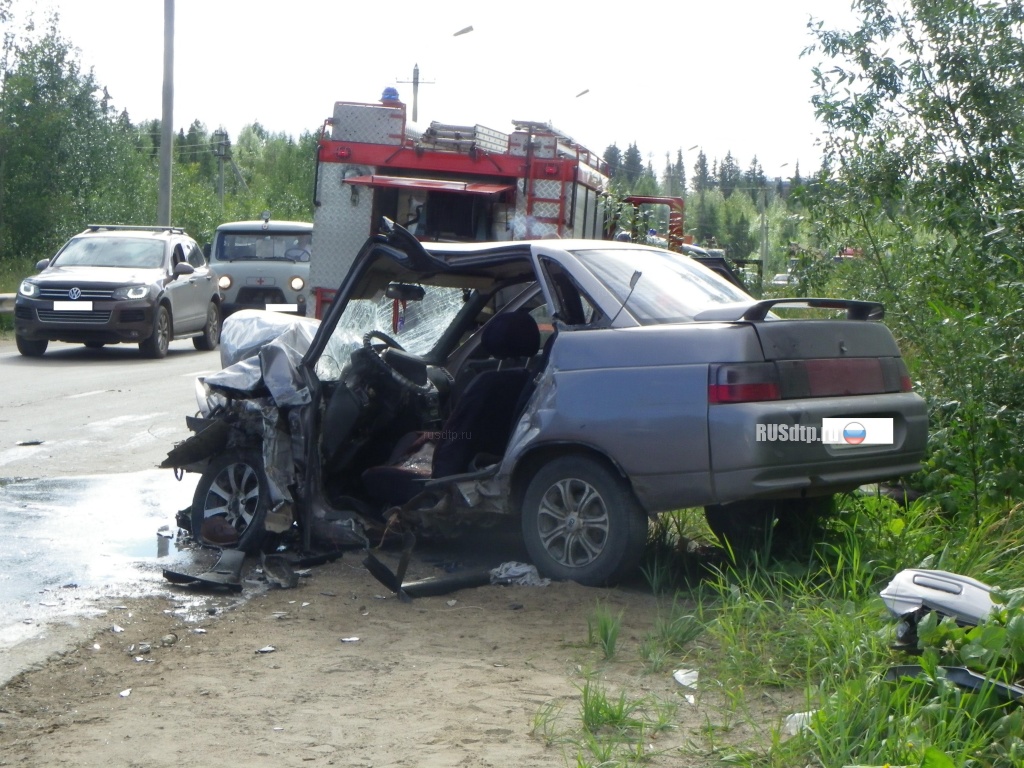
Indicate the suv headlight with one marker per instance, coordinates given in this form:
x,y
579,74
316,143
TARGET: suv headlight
x,y
224,282
297,283
131,292
29,289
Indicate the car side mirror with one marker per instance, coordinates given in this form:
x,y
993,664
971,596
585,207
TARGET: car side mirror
x,y
183,268
42,264
207,248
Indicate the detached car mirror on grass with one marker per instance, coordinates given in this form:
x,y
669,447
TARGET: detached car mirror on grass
x,y
582,386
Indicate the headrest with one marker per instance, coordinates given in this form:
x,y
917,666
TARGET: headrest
x,y
511,334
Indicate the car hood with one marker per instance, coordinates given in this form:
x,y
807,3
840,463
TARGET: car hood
x,y
245,333
83,275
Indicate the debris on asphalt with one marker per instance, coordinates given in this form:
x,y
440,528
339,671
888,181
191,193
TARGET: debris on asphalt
x,y
278,571
520,574
226,572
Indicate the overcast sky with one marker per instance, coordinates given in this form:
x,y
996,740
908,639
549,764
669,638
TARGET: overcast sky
x,y
725,75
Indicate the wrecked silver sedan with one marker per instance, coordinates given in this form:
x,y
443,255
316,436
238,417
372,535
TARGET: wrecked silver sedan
x,y
584,386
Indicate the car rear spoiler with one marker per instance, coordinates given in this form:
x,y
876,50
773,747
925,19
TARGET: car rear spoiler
x,y
758,311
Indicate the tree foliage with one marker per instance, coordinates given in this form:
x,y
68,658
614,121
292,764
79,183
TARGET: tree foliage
x,y
922,105
69,158
729,175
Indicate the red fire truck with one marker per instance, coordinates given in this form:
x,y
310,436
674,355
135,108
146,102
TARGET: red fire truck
x,y
448,182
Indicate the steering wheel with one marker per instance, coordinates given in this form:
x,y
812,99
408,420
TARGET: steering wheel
x,y
398,377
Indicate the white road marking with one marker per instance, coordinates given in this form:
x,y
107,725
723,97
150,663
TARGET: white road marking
x,y
87,394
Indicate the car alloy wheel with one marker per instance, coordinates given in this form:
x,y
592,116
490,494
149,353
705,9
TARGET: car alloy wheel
x,y
230,503
156,345
581,522
210,337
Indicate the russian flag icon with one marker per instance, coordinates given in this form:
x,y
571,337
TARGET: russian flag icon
x,y
854,433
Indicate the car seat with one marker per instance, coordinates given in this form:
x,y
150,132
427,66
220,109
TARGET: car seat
x,y
481,421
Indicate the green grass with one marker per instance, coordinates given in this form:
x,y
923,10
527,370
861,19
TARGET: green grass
x,y
778,637
603,630
12,272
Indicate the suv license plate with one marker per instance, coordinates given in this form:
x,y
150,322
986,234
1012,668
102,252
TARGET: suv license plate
x,y
72,306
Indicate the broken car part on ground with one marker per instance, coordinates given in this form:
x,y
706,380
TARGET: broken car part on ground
x,y
914,594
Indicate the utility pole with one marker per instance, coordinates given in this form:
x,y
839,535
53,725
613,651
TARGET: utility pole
x,y
220,151
163,214
416,90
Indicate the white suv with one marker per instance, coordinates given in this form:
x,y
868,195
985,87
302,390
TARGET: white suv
x,y
262,264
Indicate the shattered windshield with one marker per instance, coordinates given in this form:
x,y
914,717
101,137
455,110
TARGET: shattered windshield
x,y
416,325
671,288
112,252
247,246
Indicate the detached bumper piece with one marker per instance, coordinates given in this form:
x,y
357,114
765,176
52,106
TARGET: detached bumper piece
x,y
912,594
961,677
225,574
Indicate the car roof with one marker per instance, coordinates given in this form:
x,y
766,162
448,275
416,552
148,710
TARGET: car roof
x,y
269,226
521,248
125,231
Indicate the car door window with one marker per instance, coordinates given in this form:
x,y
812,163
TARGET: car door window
x,y
195,256
573,306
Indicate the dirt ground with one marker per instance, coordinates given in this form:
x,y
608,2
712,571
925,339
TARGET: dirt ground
x,y
355,678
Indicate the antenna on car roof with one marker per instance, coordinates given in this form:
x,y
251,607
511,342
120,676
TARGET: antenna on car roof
x,y
632,284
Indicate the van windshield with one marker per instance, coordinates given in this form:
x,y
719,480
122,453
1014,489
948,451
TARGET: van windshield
x,y
259,245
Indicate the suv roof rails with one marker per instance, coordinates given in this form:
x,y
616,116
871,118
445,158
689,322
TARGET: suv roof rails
x,y
98,227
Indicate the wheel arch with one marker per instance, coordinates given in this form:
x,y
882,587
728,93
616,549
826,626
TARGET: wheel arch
x,y
165,302
537,456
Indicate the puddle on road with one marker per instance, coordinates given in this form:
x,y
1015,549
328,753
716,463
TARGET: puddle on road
x,y
66,543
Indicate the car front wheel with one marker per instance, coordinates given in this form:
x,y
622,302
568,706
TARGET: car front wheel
x,y
156,345
30,347
211,331
581,522
229,507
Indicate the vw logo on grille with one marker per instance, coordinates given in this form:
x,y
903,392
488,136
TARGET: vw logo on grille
x,y
75,293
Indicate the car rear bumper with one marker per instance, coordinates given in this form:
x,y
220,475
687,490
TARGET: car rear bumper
x,y
108,322
745,463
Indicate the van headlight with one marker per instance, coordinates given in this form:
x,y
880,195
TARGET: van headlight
x,y
297,283
224,282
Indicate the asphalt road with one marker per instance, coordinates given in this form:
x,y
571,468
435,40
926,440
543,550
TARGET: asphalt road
x,y
77,411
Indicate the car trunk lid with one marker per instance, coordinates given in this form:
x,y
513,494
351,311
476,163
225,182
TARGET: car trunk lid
x,y
814,358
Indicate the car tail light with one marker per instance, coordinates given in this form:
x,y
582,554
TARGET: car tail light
x,y
792,379
744,383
